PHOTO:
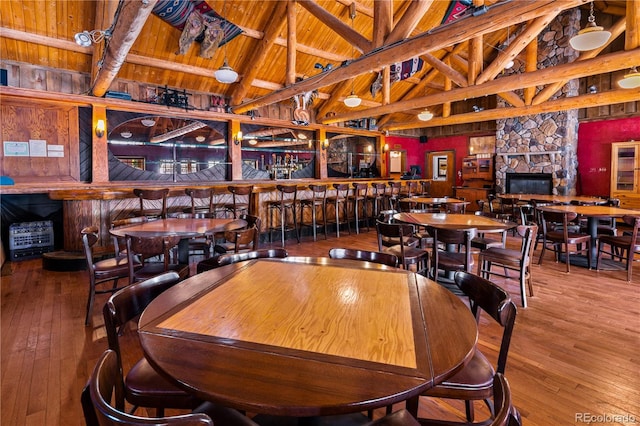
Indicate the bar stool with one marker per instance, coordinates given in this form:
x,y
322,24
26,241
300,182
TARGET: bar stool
x,y
377,198
203,202
318,200
241,196
340,202
393,195
359,200
287,202
149,200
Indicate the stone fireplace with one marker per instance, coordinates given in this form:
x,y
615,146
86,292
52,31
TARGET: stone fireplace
x,y
545,143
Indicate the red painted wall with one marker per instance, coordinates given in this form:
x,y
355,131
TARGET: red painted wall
x,y
415,149
594,152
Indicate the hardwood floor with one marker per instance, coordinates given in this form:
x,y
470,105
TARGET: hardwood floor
x,y
574,349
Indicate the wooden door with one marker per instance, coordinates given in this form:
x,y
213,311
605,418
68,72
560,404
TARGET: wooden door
x,y
440,166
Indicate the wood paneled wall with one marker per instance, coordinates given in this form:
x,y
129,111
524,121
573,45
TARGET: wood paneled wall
x,y
23,121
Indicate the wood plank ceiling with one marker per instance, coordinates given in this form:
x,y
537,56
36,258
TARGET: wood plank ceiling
x,y
282,41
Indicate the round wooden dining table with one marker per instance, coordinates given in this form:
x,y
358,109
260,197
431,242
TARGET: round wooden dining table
x,y
592,213
307,336
183,227
434,201
560,199
455,221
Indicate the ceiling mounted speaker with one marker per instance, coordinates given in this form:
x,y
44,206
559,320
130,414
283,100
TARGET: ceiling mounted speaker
x,y
424,139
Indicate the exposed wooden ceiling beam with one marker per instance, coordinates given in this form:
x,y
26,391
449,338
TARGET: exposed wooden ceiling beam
x,y
546,93
632,35
499,16
561,104
277,21
409,21
131,19
350,35
608,63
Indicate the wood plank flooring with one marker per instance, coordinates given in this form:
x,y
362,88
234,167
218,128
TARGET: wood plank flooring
x,y
575,348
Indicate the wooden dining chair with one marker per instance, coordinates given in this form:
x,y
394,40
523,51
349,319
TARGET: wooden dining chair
x,y
406,255
147,250
104,271
227,259
475,381
623,247
142,386
561,240
106,380
509,259
364,255
119,243
153,202
236,239
451,250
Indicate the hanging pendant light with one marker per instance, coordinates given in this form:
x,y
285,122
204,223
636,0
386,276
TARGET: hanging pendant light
x,y
352,100
225,74
590,37
631,80
425,115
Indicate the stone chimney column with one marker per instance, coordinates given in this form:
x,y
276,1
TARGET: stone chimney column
x,y
544,143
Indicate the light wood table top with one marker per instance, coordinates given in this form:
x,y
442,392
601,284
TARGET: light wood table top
x,y
592,211
565,199
184,227
455,221
305,337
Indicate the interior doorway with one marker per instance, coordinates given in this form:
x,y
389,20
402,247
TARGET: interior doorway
x,y
440,167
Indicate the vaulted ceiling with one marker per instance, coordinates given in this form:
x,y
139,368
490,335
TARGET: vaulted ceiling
x,y
335,47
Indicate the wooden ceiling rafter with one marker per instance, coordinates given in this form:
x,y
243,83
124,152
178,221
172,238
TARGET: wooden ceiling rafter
x,y
609,63
499,16
276,22
130,20
345,31
560,104
550,89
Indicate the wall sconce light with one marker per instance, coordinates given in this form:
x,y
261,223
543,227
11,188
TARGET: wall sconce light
x,y
238,138
385,148
99,128
325,144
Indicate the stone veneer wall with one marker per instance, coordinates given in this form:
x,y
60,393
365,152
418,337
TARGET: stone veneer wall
x,y
555,133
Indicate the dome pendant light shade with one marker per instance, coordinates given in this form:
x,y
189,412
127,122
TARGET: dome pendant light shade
x,y
425,115
591,37
226,74
352,100
631,80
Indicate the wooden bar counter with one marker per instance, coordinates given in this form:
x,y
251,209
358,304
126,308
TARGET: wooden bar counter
x,y
100,204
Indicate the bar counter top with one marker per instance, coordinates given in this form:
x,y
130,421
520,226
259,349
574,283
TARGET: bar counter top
x,y
120,190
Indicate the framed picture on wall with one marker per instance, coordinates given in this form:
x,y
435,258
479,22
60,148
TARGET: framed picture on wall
x,y
441,170
482,145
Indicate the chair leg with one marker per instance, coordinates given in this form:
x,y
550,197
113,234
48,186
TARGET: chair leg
x,y
468,405
92,295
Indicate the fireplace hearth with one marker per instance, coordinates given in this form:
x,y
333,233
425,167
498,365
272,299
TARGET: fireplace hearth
x,y
529,183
